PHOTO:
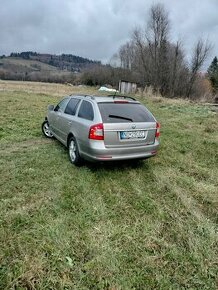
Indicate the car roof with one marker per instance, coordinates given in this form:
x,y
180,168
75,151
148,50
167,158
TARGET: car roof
x,y
105,99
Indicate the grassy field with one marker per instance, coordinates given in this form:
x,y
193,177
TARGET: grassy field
x,y
151,225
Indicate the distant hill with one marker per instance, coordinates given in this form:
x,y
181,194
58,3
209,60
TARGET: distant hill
x,y
67,62
43,67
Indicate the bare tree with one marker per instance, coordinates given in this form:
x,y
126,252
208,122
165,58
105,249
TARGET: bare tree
x,y
151,48
177,82
157,34
158,25
115,60
126,54
174,69
141,56
200,54
158,62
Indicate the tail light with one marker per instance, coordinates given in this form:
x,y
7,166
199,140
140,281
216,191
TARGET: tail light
x,y
96,132
157,134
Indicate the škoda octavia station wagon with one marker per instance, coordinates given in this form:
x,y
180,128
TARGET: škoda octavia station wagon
x,y
103,128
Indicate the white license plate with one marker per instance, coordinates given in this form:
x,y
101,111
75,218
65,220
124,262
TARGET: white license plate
x,y
132,135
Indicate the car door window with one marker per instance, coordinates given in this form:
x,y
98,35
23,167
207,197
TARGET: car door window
x,y
62,105
86,111
72,107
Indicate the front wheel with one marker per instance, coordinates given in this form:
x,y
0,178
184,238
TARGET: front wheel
x,y
73,152
46,130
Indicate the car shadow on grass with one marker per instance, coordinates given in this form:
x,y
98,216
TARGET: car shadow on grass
x,y
116,165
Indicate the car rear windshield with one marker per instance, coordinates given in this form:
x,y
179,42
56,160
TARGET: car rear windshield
x,y
124,112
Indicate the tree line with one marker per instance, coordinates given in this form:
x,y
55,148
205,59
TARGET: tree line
x,y
151,59
159,62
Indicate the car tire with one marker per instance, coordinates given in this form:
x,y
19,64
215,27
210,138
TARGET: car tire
x,y
73,152
45,130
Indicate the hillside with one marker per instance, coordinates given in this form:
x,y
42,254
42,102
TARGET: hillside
x,y
151,225
67,62
43,67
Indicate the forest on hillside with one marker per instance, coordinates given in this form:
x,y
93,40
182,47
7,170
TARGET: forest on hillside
x,y
64,61
33,66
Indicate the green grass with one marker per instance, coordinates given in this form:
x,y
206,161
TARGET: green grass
x,y
151,225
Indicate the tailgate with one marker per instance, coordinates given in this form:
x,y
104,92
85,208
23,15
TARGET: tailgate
x,y
129,134
127,124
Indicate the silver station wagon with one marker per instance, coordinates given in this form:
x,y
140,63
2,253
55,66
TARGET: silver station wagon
x,y
103,128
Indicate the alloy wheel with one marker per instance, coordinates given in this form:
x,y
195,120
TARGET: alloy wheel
x,y
47,130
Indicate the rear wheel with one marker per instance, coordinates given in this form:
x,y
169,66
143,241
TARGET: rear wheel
x,y
73,152
46,130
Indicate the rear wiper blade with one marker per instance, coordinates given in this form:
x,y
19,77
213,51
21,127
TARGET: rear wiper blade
x,y
120,117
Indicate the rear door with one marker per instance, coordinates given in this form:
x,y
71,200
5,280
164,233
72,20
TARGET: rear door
x,y
68,119
127,124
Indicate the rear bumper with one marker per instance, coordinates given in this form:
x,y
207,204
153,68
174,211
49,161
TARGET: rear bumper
x,y
98,152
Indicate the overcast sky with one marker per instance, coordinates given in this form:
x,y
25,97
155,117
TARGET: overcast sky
x,y
96,28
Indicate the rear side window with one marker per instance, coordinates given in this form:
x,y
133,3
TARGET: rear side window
x,y
72,106
86,111
124,112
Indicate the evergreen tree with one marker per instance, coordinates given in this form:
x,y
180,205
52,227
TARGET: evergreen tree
x,y
213,74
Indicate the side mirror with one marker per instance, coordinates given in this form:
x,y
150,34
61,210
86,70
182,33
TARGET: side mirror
x,y
50,107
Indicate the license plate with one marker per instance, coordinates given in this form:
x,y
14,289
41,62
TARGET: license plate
x,y
132,135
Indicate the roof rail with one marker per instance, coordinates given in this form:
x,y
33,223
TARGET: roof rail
x,y
83,95
78,95
120,96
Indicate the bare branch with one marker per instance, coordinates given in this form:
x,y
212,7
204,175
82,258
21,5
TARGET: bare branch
x,y
200,54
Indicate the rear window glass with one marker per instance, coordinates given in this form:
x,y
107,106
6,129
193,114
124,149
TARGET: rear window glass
x,y
126,112
86,111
